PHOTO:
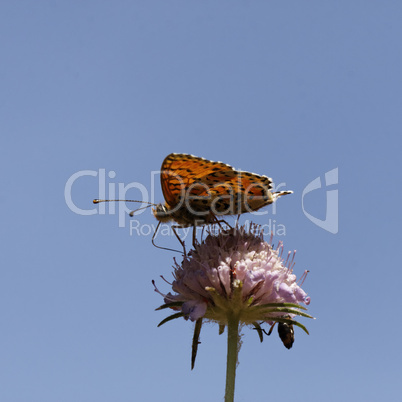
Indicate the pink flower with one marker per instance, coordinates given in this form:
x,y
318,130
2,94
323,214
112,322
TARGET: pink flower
x,y
236,272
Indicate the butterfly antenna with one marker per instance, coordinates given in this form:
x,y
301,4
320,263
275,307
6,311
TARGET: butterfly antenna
x,y
139,209
96,201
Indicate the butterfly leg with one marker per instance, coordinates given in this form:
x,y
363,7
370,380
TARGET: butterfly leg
x,y
223,221
165,248
212,219
215,221
154,235
174,227
202,233
219,221
194,235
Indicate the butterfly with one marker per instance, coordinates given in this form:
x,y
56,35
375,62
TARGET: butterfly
x,y
197,191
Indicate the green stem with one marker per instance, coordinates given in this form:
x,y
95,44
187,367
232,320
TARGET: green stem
x,y
233,348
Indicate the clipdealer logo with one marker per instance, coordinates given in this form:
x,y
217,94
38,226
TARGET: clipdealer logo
x,y
119,191
331,221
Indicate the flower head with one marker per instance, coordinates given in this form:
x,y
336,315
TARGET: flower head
x,y
236,273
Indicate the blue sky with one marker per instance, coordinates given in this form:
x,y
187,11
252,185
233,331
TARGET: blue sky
x,y
290,89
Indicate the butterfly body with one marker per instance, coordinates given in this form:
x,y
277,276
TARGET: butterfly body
x,y
183,217
197,190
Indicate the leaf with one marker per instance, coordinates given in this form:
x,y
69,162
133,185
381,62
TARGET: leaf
x,y
170,318
258,328
170,305
196,337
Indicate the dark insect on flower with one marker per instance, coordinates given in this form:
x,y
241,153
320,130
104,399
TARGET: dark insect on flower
x,y
286,333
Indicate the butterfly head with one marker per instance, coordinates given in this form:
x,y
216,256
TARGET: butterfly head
x,y
162,213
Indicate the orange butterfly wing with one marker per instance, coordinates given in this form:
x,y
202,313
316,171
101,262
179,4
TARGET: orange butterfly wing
x,y
213,186
182,175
